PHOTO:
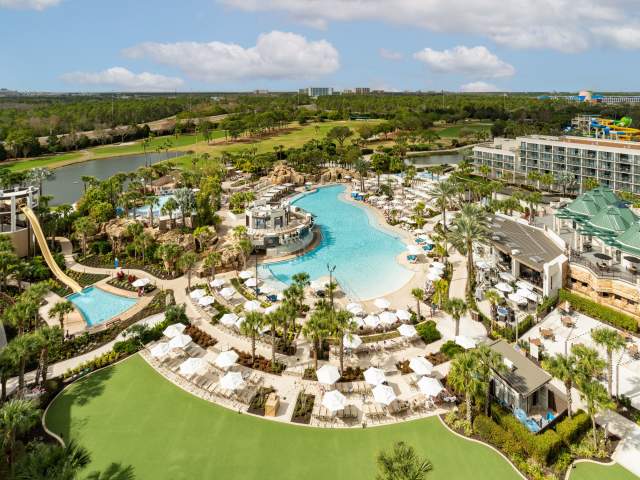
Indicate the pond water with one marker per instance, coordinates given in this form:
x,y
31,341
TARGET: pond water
x,y
429,160
66,185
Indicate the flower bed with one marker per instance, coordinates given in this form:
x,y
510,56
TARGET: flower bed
x,y
125,282
200,337
403,367
350,374
259,363
303,408
107,261
256,406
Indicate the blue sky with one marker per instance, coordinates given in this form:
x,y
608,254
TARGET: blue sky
x,y
194,45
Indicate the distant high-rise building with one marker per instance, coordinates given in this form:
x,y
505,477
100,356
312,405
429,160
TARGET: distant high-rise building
x,y
363,90
317,91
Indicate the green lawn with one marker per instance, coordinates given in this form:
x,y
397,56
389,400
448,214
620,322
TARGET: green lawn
x,y
592,471
131,415
454,132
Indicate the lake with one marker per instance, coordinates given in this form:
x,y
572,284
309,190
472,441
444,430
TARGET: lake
x,y
436,159
66,185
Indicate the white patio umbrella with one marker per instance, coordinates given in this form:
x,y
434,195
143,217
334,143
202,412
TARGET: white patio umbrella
x,y
384,394
251,282
328,374
318,285
245,274
374,376
354,307
465,342
232,381
197,294
229,319
433,277
522,285
192,366
507,277
408,331
334,401
226,359
174,330
528,294
351,341
421,366
271,308
438,265
482,265
382,303
206,301
359,322
515,298
403,315
180,341
251,306
227,292
413,250
160,350
217,283
141,282
372,321
430,386
388,318
504,287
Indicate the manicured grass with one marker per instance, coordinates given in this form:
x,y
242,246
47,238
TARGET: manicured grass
x,y
131,415
592,471
43,161
454,132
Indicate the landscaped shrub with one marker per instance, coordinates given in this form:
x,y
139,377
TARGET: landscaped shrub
x,y
548,304
491,432
601,312
450,349
572,429
428,331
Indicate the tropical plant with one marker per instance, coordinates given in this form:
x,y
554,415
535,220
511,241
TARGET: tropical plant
x,y
169,254
402,463
564,368
596,399
342,324
443,193
17,416
464,379
316,330
186,263
168,208
211,262
52,462
61,310
251,327
490,363
21,348
469,226
456,307
84,227
612,342
494,299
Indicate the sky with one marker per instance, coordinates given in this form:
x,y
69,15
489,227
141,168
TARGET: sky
x,y
283,45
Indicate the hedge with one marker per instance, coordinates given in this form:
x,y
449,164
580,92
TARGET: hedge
x,y
572,429
601,312
428,331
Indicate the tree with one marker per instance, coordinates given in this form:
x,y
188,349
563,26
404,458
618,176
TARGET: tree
x,y
533,200
84,226
275,320
464,378
9,261
379,162
340,134
21,348
494,299
490,363
470,226
48,338
52,462
61,310
590,184
17,416
588,363
186,262
211,262
402,463
342,325
316,330
168,208
456,307
152,202
441,292
186,201
443,193
418,294
251,327
7,368
169,254
612,342
362,168
597,399
564,368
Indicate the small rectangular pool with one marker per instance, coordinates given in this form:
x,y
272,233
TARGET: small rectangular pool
x,y
97,306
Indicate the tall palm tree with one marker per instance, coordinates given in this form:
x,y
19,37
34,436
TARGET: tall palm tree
x,y
168,208
52,462
464,378
490,363
84,227
443,192
7,368
186,263
342,324
470,226
494,299
596,398
152,202
440,292
211,261
362,168
48,339
564,368
456,307
9,261
418,295
316,330
16,416
402,463
612,342
21,348
61,310
251,327
275,320
589,365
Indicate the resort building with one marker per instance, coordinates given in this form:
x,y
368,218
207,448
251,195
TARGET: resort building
x,y
278,230
613,163
531,254
314,92
525,389
604,238
12,221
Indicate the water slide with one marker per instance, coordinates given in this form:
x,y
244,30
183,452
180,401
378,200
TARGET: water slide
x,y
46,253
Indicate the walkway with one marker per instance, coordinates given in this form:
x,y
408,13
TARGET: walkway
x,y
627,452
458,285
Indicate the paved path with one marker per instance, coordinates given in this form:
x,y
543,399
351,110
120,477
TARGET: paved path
x,y
458,285
627,452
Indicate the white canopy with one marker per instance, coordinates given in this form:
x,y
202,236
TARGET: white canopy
x,y
359,322
141,282
438,265
354,308
328,374
319,284
482,265
407,331
388,318
192,366
514,297
372,321
430,386
374,376
504,287
160,350
528,294
252,306
197,294
334,401
217,283
433,277
413,250
251,282
465,342
180,341
384,394
507,277
232,381
421,366
245,274
351,341
227,292
226,359
382,303
403,315
521,284
206,301
229,319
174,330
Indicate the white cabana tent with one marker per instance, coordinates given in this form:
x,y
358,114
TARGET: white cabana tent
x,y
245,274
507,277
328,374
251,306
351,341
174,330
206,301
160,350
433,277
334,401
227,292
438,265
421,366
180,341
403,315
229,319
408,331
372,321
388,318
217,283
197,294
141,282
382,303
504,287
384,394
374,376
232,381
192,365
413,250
251,282
430,386
465,342
226,359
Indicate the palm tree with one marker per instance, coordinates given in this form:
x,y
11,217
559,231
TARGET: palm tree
x,y
362,168
9,261
17,416
114,471
613,342
443,192
440,292
342,325
494,299
275,320
211,261
418,294
61,310
469,226
151,201
456,307
402,463
48,338
186,201
21,348
169,253
7,368
533,200
316,330
595,396
564,368
84,226
168,208
490,363
589,365
52,462
186,262
464,378
251,327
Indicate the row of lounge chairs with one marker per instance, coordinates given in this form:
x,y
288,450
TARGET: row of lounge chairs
x,y
350,412
353,388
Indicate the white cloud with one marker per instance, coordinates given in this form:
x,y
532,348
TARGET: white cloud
x,y
276,55
119,77
562,25
28,4
390,54
477,61
624,36
478,87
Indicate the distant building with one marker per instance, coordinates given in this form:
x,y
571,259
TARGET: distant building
x,y
590,97
362,91
315,92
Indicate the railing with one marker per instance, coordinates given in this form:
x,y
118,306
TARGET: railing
x,y
600,273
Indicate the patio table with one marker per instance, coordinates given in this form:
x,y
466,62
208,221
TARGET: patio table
x,y
535,341
546,332
568,321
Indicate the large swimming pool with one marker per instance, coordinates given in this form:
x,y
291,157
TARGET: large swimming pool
x,y
97,306
143,211
364,254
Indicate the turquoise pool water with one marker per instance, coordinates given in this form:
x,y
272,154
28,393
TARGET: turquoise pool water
x,y
364,254
98,306
143,211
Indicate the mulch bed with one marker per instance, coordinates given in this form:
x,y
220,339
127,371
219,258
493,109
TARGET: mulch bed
x,y
200,337
303,409
256,406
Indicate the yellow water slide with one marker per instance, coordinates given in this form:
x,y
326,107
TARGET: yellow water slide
x,y
46,253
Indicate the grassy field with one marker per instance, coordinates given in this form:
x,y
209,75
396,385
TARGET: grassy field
x,y
454,132
131,415
591,471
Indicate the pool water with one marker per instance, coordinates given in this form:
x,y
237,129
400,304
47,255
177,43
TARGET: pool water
x,y
97,306
363,253
143,211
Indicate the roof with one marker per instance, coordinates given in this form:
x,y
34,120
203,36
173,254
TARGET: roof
x,y
630,239
614,219
534,247
583,205
525,377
